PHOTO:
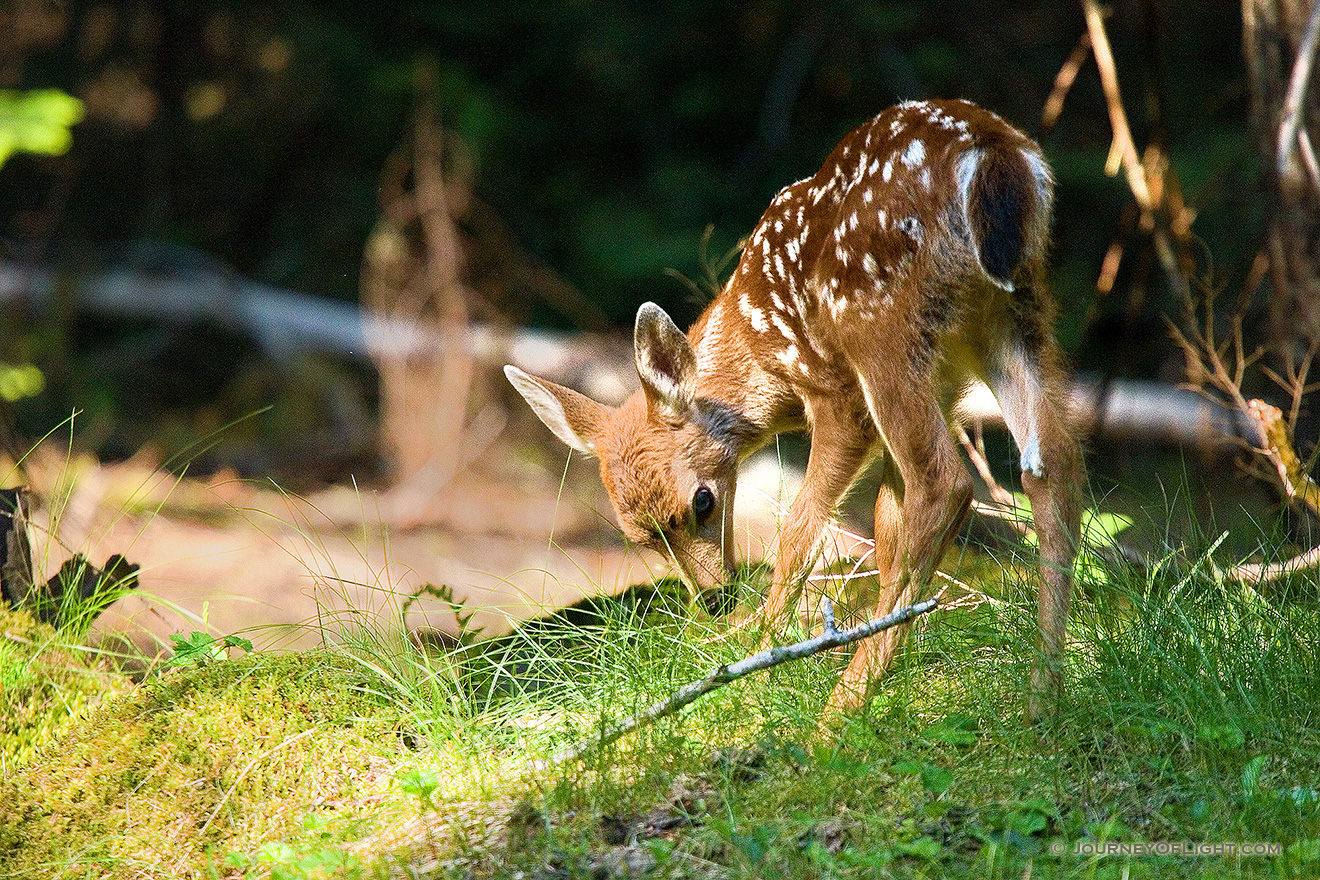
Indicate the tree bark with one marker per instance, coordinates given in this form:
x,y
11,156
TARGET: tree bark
x,y
1279,44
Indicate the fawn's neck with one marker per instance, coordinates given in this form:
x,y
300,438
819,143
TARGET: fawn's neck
x,y
748,403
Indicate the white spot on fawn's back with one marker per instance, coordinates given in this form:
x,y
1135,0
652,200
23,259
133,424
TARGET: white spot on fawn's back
x,y
915,154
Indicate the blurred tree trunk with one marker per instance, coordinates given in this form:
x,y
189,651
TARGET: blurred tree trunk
x,y
1276,35
412,276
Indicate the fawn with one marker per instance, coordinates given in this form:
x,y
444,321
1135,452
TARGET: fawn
x,y
867,300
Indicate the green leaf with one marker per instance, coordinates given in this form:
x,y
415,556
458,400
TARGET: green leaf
x,y
421,784
1026,822
37,122
1111,829
755,845
199,648
275,852
935,780
1041,805
1251,776
1228,736
750,846
956,730
235,642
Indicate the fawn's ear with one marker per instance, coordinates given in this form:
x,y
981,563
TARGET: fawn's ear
x,y
666,362
575,418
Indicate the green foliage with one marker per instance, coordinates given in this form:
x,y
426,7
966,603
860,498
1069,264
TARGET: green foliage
x,y
321,859
18,381
935,780
421,784
201,648
37,121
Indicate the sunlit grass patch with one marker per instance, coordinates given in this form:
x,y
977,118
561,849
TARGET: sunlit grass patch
x,y
45,682
165,779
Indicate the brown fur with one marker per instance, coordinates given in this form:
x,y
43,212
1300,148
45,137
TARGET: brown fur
x,y
867,299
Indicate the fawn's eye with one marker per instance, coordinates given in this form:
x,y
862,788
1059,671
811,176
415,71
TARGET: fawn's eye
x,y
703,504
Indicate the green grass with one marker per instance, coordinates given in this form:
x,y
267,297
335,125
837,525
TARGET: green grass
x,y
1190,717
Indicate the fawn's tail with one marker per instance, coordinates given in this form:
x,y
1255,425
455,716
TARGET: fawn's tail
x,y
1007,193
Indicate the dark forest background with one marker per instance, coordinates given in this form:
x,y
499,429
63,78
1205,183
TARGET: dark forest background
x,y
589,146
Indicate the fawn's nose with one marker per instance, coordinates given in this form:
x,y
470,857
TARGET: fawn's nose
x,y
704,568
711,583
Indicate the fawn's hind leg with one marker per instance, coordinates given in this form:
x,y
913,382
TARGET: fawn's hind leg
x,y
1028,382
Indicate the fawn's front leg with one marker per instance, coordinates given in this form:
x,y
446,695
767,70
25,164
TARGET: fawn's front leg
x,y
839,449
936,495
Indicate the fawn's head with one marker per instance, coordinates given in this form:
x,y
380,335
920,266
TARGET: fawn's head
x,y
668,458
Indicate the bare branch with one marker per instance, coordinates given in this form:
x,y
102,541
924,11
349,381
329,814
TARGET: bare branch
x,y
997,492
1308,159
1063,82
722,675
1123,152
1255,573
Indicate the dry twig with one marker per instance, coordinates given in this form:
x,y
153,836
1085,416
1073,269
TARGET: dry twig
x,y
1063,82
832,637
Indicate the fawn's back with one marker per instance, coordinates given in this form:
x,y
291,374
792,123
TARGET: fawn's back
x,y
918,230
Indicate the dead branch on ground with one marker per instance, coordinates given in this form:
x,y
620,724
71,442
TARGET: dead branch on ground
x,y
832,637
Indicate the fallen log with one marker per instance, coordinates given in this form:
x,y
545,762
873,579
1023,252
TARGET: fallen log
x,y
187,288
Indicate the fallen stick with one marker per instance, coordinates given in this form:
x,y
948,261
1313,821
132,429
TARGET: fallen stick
x,y
831,637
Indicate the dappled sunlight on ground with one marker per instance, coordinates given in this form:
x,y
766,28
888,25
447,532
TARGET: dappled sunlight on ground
x,y
233,556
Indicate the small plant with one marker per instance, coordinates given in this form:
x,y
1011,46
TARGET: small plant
x,y
420,784
280,861
201,648
936,780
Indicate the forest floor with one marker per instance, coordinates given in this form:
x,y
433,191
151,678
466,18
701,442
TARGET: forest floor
x,y
1189,720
